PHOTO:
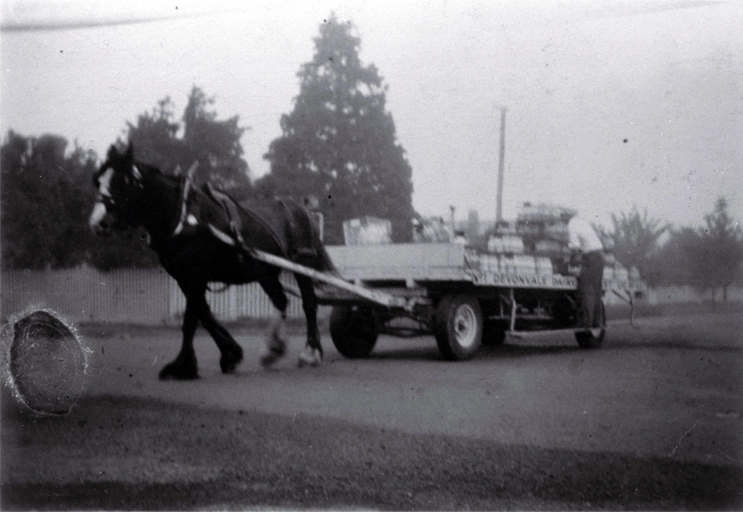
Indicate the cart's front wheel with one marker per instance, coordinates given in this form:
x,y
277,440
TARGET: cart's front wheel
x,y
353,330
458,327
593,338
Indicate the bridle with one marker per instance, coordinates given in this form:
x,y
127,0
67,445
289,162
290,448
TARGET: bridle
x,y
105,200
131,184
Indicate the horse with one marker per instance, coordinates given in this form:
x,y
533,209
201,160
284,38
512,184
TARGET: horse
x,y
202,236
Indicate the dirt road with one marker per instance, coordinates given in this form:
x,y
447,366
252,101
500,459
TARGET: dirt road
x,y
652,420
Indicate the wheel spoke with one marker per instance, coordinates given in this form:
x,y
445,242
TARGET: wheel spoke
x,y
465,325
457,326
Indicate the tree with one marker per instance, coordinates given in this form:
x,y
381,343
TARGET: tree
x,y
706,258
674,262
162,141
339,143
47,194
636,240
46,198
213,143
721,250
155,137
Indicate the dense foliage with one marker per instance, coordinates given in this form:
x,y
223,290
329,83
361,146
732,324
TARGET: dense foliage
x,y
47,192
199,137
339,143
636,239
44,212
708,258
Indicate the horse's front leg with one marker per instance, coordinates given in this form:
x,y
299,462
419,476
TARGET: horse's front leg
x,y
232,353
185,366
312,354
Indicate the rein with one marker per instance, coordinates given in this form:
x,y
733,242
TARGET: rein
x,y
234,238
187,184
184,217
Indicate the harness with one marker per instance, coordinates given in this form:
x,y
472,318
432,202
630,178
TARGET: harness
x,y
232,212
186,185
232,216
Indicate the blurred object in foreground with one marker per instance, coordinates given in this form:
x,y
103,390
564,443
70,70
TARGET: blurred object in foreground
x,y
47,363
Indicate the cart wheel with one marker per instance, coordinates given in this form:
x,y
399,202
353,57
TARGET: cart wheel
x,y
458,327
592,338
353,330
494,333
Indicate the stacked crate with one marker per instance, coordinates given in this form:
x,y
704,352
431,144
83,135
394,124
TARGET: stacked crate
x,y
508,254
506,244
543,265
511,264
543,231
489,262
506,239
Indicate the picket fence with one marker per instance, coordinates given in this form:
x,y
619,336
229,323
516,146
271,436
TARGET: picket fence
x,y
151,297
136,296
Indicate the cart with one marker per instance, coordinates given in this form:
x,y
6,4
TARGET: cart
x,y
446,290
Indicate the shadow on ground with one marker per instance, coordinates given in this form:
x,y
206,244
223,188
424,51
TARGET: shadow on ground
x,y
134,453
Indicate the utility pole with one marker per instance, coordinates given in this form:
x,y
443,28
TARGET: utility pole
x,y
501,156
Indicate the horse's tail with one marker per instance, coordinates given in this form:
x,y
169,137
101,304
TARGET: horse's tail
x,y
305,237
325,263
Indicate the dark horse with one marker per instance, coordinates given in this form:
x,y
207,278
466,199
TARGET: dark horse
x,y
200,236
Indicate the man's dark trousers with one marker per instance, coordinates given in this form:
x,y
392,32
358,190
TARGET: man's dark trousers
x,y
590,285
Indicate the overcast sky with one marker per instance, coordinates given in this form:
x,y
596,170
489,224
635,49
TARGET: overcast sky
x,y
610,103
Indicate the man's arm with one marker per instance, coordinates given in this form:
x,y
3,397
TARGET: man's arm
x,y
574,243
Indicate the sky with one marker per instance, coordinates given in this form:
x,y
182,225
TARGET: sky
x,y
609,105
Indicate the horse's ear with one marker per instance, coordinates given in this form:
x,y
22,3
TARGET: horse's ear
x,y
112,152
130,151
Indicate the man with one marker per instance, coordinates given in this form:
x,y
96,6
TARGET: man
x,y
586,249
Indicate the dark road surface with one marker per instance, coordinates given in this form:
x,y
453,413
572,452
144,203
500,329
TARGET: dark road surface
x,y
652,420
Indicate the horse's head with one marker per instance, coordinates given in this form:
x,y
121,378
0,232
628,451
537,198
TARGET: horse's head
x,y
118,183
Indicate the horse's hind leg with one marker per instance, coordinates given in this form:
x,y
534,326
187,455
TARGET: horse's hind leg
x,y
231,351
275,343
312,353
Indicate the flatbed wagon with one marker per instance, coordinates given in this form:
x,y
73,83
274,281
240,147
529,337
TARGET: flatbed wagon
x,y
449,291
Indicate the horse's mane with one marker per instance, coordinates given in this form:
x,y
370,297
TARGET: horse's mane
x,y
151,169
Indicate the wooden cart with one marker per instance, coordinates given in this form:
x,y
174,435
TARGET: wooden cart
x,y
446,290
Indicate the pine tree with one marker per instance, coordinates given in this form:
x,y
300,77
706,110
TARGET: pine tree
x,y
339,142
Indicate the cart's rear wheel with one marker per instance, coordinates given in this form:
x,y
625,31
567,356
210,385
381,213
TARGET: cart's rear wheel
x,y
458,327
593,338
353,330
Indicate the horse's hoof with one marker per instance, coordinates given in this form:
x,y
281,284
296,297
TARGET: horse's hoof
x,y
272,355
275,350
229,363
178,372
311,358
